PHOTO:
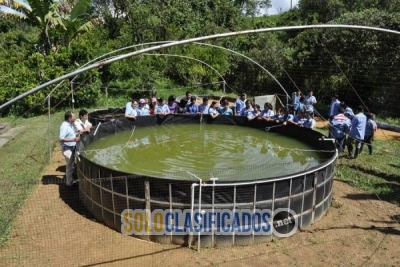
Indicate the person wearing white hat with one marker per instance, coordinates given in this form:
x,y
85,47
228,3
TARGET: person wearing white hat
x,y
142,110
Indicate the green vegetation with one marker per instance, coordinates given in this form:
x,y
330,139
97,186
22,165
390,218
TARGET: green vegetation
x,y
53,38
377,174
22,162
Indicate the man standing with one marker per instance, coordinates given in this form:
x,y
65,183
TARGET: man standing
x,y
357,132
240,103
68,138
295,100
310,102
334,107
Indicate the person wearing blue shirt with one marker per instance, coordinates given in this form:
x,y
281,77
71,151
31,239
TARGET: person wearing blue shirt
x,y
240,104
203,108
287,117
267,114
192,107
248,110
309,122
225,109
162,108
68,138
142,110
348,112
334,107
338,127
297,119
299,106
295,100
369,133
357,132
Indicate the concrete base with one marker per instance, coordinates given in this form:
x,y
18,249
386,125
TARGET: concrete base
x,y
8,134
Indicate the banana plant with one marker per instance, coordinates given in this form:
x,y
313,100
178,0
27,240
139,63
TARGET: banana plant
x,y
38,13
76,20
51,17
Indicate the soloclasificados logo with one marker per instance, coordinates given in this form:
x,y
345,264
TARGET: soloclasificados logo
x,y
281,223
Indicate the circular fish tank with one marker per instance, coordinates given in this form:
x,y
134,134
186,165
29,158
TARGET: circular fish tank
x,y
197,164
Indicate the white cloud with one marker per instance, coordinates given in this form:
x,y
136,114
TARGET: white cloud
x,y
279,6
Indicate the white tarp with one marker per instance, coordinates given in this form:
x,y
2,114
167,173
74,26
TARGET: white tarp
x,y
260,100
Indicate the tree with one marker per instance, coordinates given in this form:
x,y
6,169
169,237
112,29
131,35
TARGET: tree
x,y
75,19
46,15
37,13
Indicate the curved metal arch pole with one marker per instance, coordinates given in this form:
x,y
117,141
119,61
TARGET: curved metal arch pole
x,y
255,62
192,58
163,42
192,40
104,55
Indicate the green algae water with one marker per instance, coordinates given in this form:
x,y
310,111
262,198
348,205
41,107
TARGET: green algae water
x,y
227,152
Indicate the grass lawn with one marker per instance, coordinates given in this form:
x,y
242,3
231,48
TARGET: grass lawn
x,y
376,174
22,162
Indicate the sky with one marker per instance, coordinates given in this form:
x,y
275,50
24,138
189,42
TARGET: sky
x,y
282,5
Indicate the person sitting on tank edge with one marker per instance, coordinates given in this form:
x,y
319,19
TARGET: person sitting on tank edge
x,y
203,107
161,108
131,112
213,110
268,113
297,119
68,138
225,109
309,121
287,116
192,107
142,110
82,124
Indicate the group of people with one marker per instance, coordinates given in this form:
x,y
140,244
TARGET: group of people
x,y
71,131
345,126
242,107
351,129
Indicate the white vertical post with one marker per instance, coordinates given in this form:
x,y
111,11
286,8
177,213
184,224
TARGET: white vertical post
x,y
49,125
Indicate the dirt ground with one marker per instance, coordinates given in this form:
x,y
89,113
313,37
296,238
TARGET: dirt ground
x,y
53,229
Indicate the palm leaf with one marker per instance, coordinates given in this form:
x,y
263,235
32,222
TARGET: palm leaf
x,y
5,11
16,4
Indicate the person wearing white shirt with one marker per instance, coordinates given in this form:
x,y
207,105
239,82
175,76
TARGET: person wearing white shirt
x,y
82,124
310,102
213,110
68,138
131,111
